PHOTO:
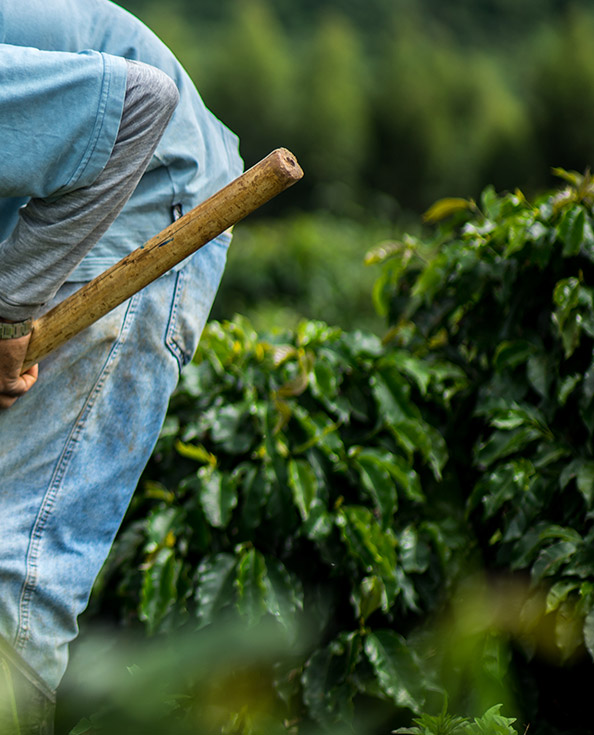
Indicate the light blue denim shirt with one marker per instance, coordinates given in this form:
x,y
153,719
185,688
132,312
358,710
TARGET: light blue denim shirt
x,y
196,156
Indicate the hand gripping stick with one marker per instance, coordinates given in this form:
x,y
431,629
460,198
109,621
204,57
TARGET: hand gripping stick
x,y
189,233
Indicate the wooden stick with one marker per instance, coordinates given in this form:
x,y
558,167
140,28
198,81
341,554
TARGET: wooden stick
x,y
255,187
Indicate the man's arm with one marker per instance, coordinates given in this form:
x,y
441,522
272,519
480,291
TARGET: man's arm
x,y
53,234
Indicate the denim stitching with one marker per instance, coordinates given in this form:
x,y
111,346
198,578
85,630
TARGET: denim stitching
x,y
48,502
171,341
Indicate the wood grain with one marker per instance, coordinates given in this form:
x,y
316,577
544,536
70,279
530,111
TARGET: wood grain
x,y
245,194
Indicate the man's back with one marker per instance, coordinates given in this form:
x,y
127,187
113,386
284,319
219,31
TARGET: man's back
x,y
197,154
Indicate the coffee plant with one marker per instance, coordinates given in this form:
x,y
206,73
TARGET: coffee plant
x,y
504,289
295,480
411,515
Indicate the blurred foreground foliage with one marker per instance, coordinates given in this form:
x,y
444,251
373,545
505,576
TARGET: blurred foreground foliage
x,y
410,516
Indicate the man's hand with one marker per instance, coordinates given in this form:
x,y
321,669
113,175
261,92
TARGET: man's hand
x,y
12,383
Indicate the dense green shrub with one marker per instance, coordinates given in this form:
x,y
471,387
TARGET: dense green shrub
x,y
390,104
504,290
414,514
294,480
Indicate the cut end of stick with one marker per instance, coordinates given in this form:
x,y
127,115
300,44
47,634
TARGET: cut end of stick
x,y
287,164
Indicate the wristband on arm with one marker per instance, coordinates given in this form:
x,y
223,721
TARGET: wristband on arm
x,y
13,330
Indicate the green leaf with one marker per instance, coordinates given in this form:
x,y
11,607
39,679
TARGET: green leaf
x,y
517,236
572,177
85,727
303,483
585,481
231,428
502,485
566,388
215,586
322,432
159,588
377,480
218,496
551,559
588,385
415,435
514,416
251,586
559,592
444,208
161,526
284,594
363,344
588,239
589,632
582,470
369,597
254,492
568,295
415,553
392,397
442,724
396,669
195,452
372,547
571,230
491,202
420,371
504,443
407,478
537,372
319,523
328,683
510,354
491,723
325,381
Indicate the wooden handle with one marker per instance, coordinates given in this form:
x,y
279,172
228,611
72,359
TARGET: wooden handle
x,y
251,190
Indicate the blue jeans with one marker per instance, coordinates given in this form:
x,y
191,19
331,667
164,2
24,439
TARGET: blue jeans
x,y
73,448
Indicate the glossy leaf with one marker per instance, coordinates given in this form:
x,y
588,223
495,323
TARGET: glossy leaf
x,y
589,632
370,596
159,589
374,549
378,481
284,595
214,586
396,669
218,496
251,586
328,685
571,230
303,483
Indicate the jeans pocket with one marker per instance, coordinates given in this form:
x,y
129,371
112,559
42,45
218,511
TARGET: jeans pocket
x,y
195,288
181,338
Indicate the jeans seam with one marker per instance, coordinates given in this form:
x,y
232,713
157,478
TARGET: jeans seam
x,y
49,499
171,342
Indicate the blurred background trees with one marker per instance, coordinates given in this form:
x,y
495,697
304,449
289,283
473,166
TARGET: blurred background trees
x,y
388,105
389,101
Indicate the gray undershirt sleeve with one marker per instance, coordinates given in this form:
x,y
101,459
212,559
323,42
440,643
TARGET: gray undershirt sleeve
x,y
52,236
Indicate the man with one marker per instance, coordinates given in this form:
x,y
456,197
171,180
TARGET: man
x,y
104,141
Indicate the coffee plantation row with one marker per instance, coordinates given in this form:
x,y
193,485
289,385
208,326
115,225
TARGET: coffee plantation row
x,y
342,533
